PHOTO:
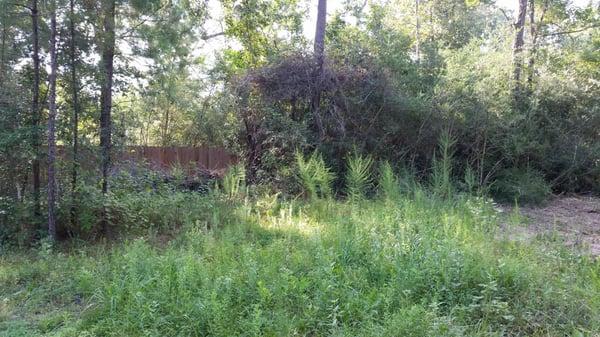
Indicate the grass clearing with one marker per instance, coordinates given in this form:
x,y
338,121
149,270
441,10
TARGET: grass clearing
x,y
413,265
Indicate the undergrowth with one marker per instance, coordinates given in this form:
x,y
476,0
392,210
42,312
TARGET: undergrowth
x,y
407,264
237,261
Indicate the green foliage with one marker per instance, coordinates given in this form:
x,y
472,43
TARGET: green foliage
x,y
415,267
233,181
525,186
140,200
358,175
441,176
315,176
389,184
136,212
470,182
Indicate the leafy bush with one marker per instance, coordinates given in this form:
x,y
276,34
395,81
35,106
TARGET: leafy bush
x,y
525,186
16,222
140,206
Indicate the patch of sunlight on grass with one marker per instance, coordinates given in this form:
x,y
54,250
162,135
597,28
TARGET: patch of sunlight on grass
x,y
286,220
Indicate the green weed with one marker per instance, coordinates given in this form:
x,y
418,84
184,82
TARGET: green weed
x,y
420,265
358,176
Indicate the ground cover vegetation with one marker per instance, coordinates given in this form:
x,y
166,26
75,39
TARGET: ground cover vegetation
x,y
406,262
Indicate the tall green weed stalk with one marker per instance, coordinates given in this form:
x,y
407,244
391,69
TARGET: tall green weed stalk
x,y
389,184
233,181
441,177
358,176
314,175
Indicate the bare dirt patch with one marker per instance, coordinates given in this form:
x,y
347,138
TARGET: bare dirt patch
x,y
575,218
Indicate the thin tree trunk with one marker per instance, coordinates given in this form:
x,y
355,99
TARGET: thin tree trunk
x,y
52,128
531,61
253,156
320,31
431,21
319,57
75,120
518,49
165,140
3,51
417,33
35,113
108,54
535,33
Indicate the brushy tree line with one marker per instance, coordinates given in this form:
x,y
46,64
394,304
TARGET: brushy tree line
x,y
515,96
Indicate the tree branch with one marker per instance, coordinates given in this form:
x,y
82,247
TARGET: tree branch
x,y
206,37
564,32
509,19
21,5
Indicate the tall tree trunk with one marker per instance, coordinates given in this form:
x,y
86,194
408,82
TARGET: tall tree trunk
x,y
518,50
35,111
417,32
52,127
535,33
319,58
75,117
108,54
320,31
3,50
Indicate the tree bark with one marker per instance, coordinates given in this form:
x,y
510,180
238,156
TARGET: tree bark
x,y
52,128
75,118
319,58
535,33
417,33
518,49
35,111
165,131
320,31
3,51
108,54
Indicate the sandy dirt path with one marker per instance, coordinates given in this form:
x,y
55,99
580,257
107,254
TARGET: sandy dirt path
x,y
575,218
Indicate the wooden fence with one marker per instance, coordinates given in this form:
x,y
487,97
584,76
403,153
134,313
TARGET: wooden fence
x,y
207,158
159,158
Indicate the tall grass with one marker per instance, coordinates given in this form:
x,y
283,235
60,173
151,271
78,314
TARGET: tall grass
x,y
426,264
410,268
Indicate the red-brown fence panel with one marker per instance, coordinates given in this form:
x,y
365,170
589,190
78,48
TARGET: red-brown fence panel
x,y
161,158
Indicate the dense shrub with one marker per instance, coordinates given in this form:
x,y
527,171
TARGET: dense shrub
x,y
361,108
364,106
525,186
